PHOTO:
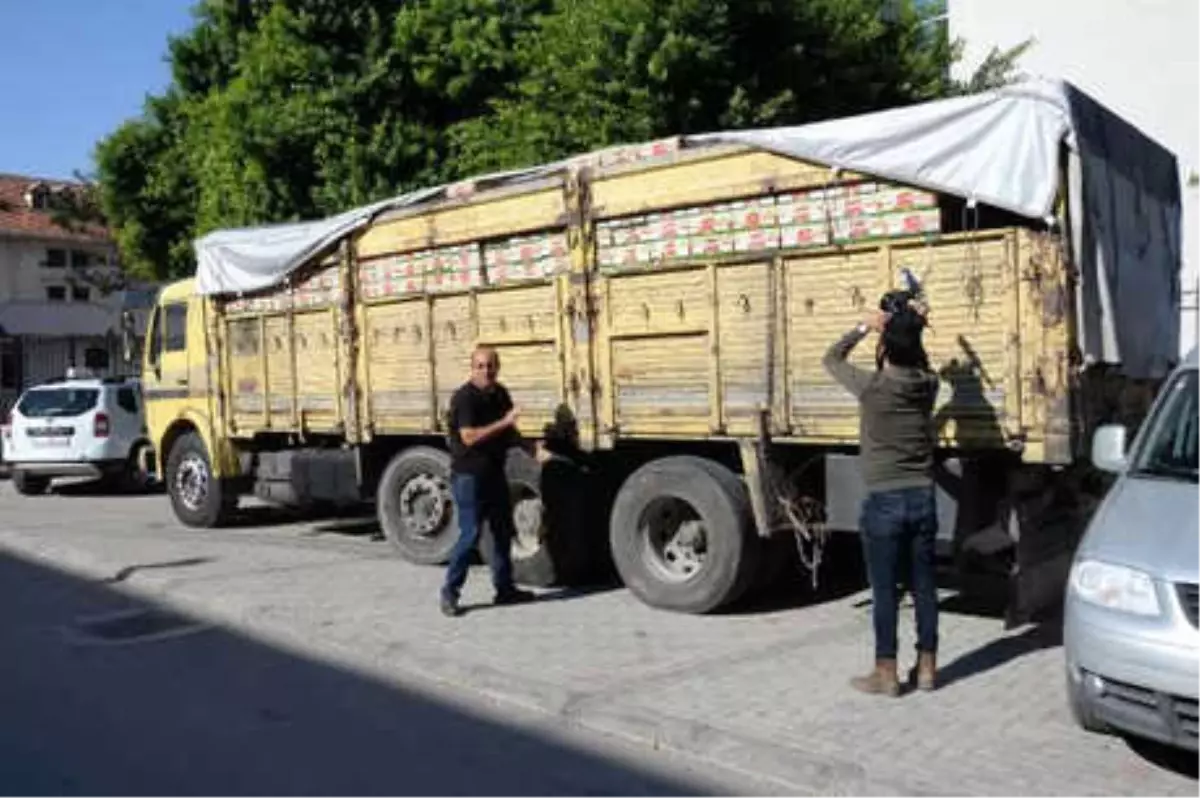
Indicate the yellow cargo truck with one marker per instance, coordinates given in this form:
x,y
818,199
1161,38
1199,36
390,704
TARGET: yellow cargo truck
x,y
671,303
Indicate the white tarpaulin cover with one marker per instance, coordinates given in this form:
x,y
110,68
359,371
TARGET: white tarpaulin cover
x,y
1001,148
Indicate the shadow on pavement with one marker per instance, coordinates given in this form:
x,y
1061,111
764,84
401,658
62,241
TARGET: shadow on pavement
x,y
556,594
130,570
351,522
91,488
1184,763
1000,652
841,574
107,694
357,527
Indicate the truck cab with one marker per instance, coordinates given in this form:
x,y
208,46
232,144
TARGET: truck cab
x,y
178,382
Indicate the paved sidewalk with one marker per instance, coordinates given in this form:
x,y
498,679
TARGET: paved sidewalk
x,y
761,692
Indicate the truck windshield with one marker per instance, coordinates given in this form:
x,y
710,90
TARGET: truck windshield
x,y
1170,450
57,402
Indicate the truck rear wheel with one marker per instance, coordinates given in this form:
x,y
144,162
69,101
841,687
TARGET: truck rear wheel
x,y
416,509
199,498
682,535
550,545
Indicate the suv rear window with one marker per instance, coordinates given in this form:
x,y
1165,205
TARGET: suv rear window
x,y
58,402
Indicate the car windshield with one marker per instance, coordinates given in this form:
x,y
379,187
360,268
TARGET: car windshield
x,y
1170,450
58,402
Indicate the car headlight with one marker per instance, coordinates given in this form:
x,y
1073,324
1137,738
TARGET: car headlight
x,y
1115,587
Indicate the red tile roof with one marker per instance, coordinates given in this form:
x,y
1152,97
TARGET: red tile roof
x,y
18,219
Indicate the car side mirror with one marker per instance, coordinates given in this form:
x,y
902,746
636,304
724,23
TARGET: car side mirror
x,y
1109,452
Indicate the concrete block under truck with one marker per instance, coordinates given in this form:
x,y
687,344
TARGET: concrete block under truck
x,y
671,303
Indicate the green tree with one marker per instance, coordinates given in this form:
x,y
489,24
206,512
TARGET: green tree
x,y
999,68
598,72
147,191
290,109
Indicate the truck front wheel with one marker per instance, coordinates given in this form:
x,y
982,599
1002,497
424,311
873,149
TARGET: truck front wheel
x,y
199,498
416,510
682,535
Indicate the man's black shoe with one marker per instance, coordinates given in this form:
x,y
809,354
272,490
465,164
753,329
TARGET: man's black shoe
x,y
450,607
514,596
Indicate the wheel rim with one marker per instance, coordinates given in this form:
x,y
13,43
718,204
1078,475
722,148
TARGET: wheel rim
x,y
528,522
674,540
191,482
425,505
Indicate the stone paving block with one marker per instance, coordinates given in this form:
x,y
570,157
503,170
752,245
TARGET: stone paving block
x,y
761,692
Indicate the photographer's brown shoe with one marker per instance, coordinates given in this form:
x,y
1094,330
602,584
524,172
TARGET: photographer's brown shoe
x,y
923,676
881,681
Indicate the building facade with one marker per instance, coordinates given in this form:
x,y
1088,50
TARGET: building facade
x,y
1138,57
60,295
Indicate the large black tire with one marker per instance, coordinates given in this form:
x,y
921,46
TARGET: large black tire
x,y
551,520
711,557
29,485
415,507
199,499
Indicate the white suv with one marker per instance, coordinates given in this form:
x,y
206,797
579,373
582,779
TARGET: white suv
x,y
78,428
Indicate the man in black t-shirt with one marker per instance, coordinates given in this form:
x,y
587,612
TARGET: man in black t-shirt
x,y
483,427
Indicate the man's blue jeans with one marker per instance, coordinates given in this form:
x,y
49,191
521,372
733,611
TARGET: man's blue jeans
x,y
901,526
480,499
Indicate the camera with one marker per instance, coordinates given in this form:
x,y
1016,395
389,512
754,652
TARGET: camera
x,y
895,302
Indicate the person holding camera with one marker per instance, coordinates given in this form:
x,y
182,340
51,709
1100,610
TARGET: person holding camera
x,y
899,515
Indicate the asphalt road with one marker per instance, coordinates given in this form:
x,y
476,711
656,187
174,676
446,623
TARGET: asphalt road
x,y
91,707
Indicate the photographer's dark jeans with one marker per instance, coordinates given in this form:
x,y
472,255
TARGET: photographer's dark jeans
x,y
900,526
479,499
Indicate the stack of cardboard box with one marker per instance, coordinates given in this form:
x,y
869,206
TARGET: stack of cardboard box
x,y
816,217
318,289
441,269
526,257
624,155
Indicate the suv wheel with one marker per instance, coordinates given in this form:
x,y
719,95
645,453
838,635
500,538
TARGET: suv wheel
x,y
29,485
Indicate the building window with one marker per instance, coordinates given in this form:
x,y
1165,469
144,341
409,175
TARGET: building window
x,y
56,293
95,359
56,258
81,293
10,364
38,197
80,260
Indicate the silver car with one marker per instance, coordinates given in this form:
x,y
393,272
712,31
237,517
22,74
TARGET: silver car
x,y
1130,636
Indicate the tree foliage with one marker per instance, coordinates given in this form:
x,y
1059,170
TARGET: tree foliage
x,y
997,69
291,109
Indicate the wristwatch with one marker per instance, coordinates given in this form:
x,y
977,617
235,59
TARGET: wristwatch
x,y
862,328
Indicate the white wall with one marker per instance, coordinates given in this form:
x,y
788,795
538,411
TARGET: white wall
x,y
24,278
1138,57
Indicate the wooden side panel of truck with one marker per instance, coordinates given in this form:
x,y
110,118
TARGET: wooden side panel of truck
x,y
686,348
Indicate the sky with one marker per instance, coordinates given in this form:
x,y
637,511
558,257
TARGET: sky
x,y
72,70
